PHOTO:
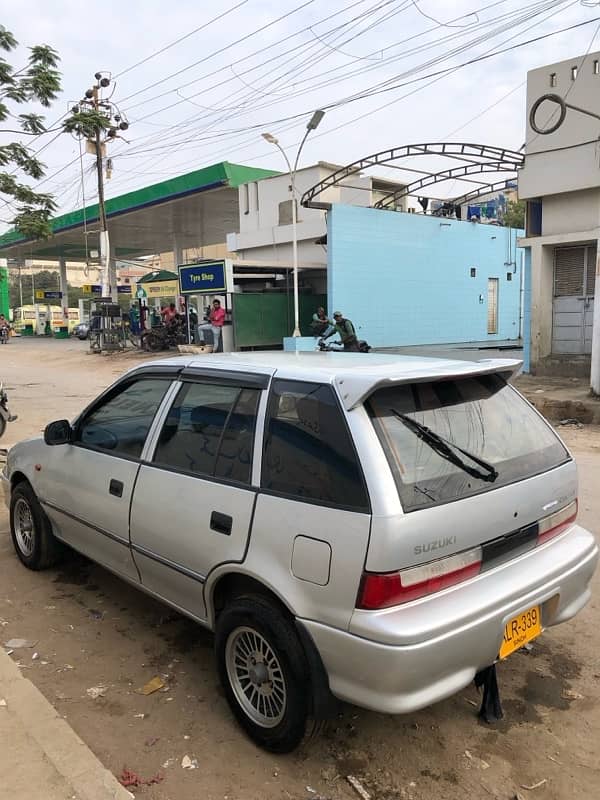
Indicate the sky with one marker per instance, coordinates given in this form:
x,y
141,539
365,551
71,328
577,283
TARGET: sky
x,y
243,67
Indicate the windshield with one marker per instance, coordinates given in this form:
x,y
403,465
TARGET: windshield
x,y
483,420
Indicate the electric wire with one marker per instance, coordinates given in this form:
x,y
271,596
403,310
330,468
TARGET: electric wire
x,y
371,92
221,49
178,142
181,39
227,111
435,79
544,6
375,91
301,45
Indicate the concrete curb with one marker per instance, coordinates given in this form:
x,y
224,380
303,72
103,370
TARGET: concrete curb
x,y
68,754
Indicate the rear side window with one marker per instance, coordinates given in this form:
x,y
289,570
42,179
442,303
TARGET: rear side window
x,y
308,453
210,431
447,440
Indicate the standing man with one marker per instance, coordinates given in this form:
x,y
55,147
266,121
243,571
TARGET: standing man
x,y
168,313
345,329
216,320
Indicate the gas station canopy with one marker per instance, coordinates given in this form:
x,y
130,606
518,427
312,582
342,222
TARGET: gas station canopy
x,y
192,210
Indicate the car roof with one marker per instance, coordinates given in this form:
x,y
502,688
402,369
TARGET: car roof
x,y
356,375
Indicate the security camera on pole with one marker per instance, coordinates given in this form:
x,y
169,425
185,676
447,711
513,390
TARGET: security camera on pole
x,y
98,120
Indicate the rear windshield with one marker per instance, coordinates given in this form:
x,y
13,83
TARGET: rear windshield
x,y
447,440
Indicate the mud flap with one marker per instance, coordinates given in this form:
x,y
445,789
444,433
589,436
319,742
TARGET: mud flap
x,y
491,707
324,705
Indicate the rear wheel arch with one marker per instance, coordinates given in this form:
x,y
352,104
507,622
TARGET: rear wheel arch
x,y
234,585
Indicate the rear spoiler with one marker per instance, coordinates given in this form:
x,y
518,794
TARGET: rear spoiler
x,y
355,388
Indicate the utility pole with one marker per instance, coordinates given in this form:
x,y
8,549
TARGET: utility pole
x,y
595,373
107,288
20,287
99,121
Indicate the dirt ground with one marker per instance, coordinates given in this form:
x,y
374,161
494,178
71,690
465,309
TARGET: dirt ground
x,y
92,630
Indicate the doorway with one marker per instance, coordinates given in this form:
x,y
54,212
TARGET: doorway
x,y
573,299
492,306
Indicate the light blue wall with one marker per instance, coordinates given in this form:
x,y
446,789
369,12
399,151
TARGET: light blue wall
x,y
404,279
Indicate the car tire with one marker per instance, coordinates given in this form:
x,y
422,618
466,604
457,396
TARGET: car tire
x,y
31,531
270,698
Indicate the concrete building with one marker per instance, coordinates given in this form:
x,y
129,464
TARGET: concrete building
x,y
265,229
561,184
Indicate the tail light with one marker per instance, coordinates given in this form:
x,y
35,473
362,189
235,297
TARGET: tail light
x,y
556,523
382,590
385,589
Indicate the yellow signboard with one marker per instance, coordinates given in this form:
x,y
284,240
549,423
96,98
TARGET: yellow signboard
x,y
161,289
39,294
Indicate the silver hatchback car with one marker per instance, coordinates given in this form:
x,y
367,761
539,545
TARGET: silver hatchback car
x,y
377,529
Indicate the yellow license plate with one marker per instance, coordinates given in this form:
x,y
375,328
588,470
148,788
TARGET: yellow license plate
x,y
521,629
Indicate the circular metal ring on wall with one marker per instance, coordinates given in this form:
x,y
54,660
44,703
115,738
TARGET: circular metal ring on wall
x,y
553,98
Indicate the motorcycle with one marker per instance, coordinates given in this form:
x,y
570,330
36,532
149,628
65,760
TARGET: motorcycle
x,y
5,415
161,337
337,347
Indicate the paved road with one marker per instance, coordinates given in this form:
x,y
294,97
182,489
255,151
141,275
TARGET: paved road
x,y
93,630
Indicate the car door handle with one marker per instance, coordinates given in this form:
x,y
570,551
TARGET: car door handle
x,y
115,488
221,523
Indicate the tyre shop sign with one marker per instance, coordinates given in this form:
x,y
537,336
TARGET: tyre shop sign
x,y
205,278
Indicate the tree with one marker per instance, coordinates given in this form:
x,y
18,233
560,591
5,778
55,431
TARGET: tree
x,y
515,214
37,81
46,279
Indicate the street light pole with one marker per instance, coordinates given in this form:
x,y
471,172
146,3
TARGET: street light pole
x,y
312,125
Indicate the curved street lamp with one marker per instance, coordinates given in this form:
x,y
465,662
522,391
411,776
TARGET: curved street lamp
x,y
313,123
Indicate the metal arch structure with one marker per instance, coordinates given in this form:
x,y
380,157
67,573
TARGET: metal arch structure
x,y
462,151
445,175
490,188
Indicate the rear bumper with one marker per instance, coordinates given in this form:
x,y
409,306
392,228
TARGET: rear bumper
x,y
402,678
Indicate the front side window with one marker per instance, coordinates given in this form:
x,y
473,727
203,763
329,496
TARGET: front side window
x,y
308,453
447,440
121,421
209,431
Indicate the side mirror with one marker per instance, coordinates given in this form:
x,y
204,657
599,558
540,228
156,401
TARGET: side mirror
x,y
59,432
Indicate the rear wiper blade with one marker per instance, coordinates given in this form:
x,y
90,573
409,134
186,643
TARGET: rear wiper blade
x,y
446,449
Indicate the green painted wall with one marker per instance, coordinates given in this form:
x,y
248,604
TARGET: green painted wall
x,y
262,320
4,307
